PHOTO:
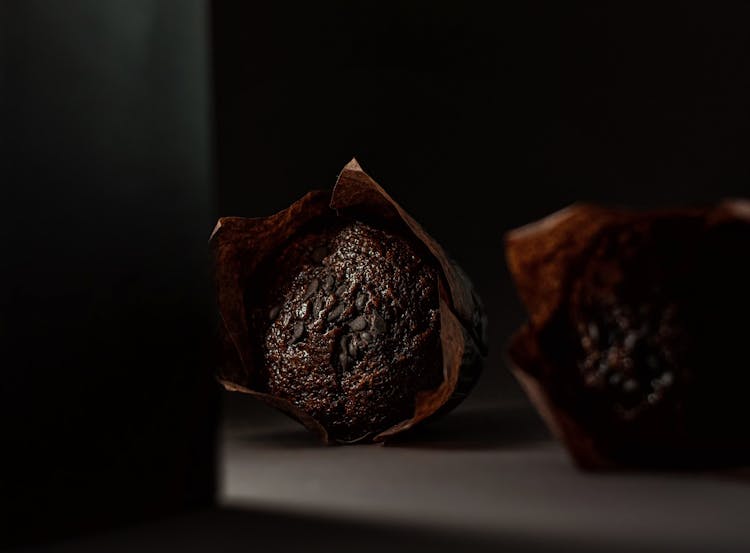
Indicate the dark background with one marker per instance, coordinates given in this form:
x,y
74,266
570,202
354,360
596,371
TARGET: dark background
x,y
479,118
126,127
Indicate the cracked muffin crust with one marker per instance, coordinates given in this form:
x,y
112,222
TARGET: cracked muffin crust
x,y
350,328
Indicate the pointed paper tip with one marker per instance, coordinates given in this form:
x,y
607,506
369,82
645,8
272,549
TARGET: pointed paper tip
x,y
353,165
218,226
546,223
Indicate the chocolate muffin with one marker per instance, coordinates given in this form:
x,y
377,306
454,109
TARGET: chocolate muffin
x,y
350,330
635,349
342,312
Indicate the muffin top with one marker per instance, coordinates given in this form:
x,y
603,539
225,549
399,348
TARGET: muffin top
x,y
350,327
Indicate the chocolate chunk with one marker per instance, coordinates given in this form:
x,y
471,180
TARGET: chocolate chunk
x,y
317,307
360,323
352,348
311,288
378,324
345,361
336,312
297,332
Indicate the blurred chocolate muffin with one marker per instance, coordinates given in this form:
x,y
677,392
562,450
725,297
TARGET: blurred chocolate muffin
x,y
635,349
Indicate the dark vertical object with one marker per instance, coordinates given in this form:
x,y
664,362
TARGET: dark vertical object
x,y
107,405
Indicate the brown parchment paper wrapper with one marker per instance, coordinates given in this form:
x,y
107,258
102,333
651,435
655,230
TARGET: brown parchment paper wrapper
x,y
545,259
241,245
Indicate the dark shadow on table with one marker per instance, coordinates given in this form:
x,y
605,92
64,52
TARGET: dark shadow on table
x,y
234,530
467,428
478,428
243,530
